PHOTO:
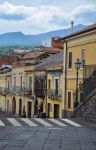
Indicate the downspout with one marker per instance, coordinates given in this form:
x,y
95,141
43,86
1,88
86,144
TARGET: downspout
x,y
46,92
64,113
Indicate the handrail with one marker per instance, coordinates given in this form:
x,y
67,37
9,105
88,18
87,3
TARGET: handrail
x,y
87,87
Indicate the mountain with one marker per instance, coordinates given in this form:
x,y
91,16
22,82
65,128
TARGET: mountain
x,y
18,38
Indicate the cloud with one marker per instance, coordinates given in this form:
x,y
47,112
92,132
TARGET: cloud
x,y
36,19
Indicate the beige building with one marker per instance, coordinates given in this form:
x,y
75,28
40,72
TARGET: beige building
x,y
18,91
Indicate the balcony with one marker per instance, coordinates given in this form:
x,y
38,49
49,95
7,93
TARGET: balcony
x,y
54,94
40,93
19,90
3,91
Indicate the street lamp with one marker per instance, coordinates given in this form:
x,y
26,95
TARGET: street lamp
x,y
77,66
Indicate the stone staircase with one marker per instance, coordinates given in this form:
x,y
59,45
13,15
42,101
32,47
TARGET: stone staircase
x,y
87,104
87,109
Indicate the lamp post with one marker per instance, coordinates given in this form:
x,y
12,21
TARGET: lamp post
x,y
77,66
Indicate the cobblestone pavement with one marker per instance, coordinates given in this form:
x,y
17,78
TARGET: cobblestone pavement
x,y
43,138
48,138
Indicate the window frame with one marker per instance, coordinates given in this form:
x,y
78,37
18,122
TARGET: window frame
x,y
70,68
69,91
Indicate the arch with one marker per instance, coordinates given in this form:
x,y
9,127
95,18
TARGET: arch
x,y
20,107
14,105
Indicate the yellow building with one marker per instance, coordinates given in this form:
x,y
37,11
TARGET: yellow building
x,y
2,92
19,90
52,71
54,90
17,85
3,83
79,45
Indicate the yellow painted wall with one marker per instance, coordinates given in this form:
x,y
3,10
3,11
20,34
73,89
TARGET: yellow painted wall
x,y
52,102
87,42
52,76
25,101
2,102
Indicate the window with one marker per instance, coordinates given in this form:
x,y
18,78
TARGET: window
x,y
49,84
42,83
83,57
56,87
69,99
8,84
30,82
21,81
70,60
14,82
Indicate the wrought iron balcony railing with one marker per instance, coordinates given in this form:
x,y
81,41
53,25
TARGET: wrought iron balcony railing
x,y
88,86
3,91
40,92
14,90
54,94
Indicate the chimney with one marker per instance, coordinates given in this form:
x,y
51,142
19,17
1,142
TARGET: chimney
x,y
72,24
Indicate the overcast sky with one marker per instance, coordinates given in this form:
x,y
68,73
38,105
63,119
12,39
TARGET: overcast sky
x,y
39,16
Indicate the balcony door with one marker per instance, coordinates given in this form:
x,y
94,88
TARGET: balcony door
x,y
20,107
56,86
30,82
56,111
14,105
29,106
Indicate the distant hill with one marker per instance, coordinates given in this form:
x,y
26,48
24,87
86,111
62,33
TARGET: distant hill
x,y
18,38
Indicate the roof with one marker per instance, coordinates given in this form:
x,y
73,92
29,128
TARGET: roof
x,y
39,51
49,49
32,54
51,61
82,31
59,64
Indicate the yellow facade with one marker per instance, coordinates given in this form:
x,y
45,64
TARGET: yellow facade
x,y
2,92
11,99
54,100
76,44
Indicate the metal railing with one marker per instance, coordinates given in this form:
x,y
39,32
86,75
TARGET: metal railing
x,y
3,90
16,89
85,89
88,70
54,94
40,92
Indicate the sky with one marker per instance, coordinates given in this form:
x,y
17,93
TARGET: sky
x,y
40,16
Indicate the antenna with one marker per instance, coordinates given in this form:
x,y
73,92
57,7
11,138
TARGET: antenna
x,y
72,24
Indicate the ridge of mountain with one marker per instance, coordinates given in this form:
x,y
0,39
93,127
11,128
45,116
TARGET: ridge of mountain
x,y
18,38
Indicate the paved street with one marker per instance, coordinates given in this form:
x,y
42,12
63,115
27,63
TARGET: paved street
x,y
40,137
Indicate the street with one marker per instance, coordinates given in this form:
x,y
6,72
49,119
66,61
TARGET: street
x,y
43,137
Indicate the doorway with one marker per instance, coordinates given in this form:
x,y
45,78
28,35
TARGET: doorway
x,y
56,111
20,107
29,106
14,105
48,109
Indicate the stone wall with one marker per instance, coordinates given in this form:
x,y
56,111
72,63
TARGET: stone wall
x,y
87,110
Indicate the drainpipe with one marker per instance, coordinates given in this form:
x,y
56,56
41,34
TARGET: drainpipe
x,y
64,113
46,92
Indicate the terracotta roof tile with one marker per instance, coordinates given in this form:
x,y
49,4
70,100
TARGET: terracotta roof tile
x,y
50,49
32,55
